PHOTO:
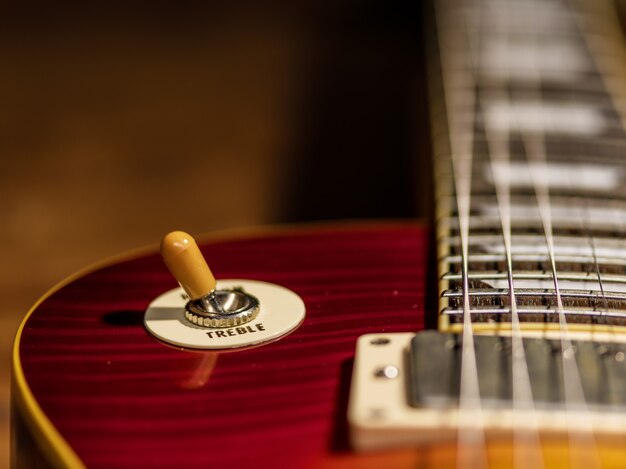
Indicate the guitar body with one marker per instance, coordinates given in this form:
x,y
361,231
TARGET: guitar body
x,y
92,387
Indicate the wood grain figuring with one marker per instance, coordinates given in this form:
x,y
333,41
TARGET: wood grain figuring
x,y
122,399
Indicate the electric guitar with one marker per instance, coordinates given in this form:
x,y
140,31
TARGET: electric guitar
x,y
324,346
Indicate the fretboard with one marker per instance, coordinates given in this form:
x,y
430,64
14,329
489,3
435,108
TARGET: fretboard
x,y
530,147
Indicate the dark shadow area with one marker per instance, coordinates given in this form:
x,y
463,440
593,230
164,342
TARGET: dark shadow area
x,y
340,441
431,301
124,318
26,452
362,150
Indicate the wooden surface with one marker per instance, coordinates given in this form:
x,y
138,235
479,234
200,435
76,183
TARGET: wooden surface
x,y
122,399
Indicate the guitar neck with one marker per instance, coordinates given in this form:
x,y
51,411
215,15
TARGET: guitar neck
x,y
529,147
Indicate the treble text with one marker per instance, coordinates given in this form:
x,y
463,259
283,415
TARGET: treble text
x,y
233,331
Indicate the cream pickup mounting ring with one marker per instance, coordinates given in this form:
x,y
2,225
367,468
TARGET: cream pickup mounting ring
x,y
280,312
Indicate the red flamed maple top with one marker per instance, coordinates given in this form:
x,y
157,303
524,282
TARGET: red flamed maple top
x,y
120,398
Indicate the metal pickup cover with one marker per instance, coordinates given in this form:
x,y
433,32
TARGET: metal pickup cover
x,y
435,365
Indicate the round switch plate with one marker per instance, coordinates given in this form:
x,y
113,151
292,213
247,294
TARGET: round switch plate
x,y
281,312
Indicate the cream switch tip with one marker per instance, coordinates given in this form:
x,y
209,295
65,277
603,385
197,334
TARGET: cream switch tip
x,y
186,263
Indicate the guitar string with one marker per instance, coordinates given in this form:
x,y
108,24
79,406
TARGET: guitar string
x,y
601,350
471,450
614,203
610,19
538,157
605,352
526,442
582,438
586,217
527,448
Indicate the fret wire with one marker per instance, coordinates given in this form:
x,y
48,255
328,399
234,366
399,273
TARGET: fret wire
x,y
608,278
532,238
536,292
575,145
602,105
618,314
480,299
486,258
478,200
526,225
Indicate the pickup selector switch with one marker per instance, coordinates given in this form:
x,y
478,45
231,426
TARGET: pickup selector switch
x,y
207,305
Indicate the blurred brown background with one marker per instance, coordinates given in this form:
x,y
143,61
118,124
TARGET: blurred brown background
x,y
119,123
